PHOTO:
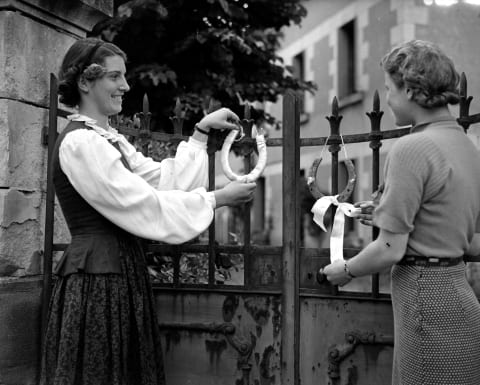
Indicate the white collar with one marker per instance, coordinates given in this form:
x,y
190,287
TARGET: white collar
x,y
110,133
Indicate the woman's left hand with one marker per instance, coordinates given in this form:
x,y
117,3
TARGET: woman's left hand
x,y
335,273
366,215
219,120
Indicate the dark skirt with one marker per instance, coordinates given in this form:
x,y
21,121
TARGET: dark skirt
x,y
102,328
437,327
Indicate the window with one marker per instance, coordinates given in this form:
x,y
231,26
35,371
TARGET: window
x,y
346,60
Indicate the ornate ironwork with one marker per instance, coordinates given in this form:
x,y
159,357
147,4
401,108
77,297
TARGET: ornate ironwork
x,y
334,121
178,118
244,347
145,116
338,353
375,117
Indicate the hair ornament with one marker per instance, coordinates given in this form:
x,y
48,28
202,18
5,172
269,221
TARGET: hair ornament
x,y
94,71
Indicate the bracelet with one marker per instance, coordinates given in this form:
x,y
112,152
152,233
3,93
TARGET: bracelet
x,y
201,130
347,271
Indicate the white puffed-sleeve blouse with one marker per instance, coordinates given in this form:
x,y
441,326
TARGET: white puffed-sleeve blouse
x,y
164,201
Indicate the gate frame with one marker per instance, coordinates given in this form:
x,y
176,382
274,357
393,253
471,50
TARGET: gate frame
x,y
291,253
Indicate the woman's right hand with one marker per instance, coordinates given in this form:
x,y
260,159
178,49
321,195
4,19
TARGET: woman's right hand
x,y
366,215
219,120
234,193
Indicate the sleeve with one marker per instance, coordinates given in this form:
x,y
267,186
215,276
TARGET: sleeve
x,y
94,168
416,170
187,171
477,225
404,188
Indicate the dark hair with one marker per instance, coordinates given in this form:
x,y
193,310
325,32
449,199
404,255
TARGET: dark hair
x,y
81,55
425,69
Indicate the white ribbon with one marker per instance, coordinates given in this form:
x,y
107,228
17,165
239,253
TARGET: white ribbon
x,y
336,238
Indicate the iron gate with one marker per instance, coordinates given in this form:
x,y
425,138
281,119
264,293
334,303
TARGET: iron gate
x,y
280,326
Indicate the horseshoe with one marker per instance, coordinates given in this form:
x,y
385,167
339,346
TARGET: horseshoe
x,y
257,171
347,191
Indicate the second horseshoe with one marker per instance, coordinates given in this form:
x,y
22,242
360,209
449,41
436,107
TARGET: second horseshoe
x,y
347,191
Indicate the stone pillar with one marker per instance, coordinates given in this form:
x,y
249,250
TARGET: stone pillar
x,y
34,35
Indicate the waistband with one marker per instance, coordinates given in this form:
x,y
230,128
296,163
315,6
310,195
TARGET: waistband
x,y
417,260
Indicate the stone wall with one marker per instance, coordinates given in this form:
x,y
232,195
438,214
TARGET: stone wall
x,y
34,35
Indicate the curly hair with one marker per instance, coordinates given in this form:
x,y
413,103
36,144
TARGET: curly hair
x,y
425,69
78,62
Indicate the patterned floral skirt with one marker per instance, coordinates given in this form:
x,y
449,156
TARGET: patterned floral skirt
x,y
102,328
437,327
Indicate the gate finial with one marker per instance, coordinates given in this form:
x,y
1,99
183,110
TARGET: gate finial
x,y
464,104
178,118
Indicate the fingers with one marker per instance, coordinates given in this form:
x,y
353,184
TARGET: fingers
x,y
364,216
222,119
229,126
251,186
366,222
364,204
321,277
242,191
232,116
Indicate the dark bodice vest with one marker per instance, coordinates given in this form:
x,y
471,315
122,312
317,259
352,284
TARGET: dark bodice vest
x,y
95,240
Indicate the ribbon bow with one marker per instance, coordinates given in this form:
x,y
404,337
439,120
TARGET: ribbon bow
x,y
336,238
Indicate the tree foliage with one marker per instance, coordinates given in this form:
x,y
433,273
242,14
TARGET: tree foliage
x,y
203,50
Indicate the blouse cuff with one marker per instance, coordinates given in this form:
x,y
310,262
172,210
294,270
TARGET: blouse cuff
x,y
211,198
197,143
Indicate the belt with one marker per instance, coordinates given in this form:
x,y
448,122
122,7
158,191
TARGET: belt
x,y
418,260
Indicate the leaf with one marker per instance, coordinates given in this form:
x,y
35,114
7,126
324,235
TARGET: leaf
x,y
109,34
238,13
225,6
124,10
201,38
162,11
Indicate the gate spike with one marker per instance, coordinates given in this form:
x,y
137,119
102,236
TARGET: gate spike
x,y
211,105
463,85
246,111
335,106
178,108
145,105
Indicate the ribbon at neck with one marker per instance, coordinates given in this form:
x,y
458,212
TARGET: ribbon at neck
x,y
336,238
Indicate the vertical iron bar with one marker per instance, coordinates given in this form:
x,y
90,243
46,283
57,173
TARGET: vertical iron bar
x,y
247,164
145,129
211,148
290,372
246,368
375,231
247,263
211,228
50,204
334,148
176,255
375,144
177,121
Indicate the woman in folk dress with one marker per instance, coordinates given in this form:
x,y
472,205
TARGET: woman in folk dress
x,y
102,328
428,215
